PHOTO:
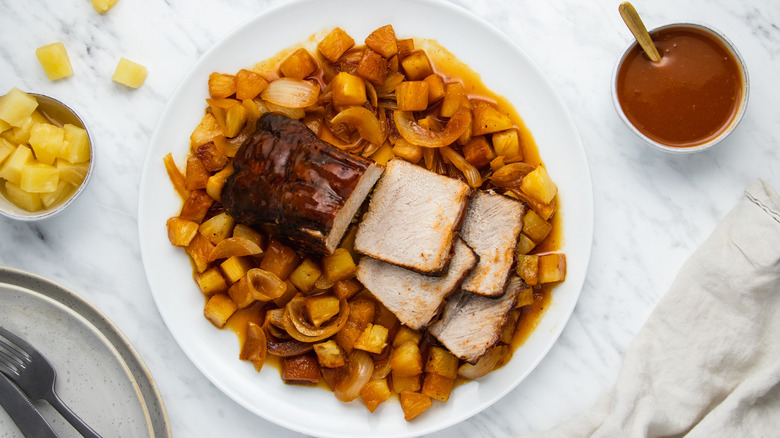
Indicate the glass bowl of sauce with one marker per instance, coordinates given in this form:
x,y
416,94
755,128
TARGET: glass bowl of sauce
x,y
689,100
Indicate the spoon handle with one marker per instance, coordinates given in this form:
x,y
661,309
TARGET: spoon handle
x,y
634,23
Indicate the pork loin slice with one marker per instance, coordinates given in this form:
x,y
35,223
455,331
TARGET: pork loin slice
x,y
413,297
295,186
471,324
412,218
491,227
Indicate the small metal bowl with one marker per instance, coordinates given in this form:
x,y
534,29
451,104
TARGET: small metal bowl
x,y
62,114
732,124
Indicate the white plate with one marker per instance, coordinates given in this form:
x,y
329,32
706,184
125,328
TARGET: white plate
x,y
169,272
99,374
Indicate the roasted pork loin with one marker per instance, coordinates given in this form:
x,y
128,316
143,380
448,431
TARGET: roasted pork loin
x,y
295,186
413,297
491,227
471,324
412,218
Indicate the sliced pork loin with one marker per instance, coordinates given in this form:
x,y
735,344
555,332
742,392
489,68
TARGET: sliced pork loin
x,y
291,184
491,227
471,324
413,297
412,218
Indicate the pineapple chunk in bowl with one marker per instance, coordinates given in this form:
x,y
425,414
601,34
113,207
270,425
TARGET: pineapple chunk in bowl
x,y
46,156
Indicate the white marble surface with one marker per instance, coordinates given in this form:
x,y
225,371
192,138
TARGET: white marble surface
x,y
651,209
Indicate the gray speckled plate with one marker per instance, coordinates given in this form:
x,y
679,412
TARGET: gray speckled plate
x,y
99,374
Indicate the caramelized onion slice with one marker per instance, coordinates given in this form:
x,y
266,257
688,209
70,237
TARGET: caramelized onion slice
x,y
234,246
291,93
473,177
255,346
264,285
300,329
484,365
510,175
360,368
360,118
286,347
412,132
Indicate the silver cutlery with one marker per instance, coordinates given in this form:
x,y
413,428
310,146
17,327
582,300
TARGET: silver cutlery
x,y
27,418
33,374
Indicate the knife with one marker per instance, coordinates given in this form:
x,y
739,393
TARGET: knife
x,y
22,412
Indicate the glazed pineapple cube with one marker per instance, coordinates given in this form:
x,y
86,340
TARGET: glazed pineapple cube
x,y
372,67
405,47
211,282
346,289
129,73
488,119
321,308
217,228
235,119
406,360
361,313
199,250
206,131
339,266
412,95
525,297
454,98
407,151
383,41
46,141
75,144
215,182
408,383
195,174
305,275
196,206
373,339
435,87
507,144
27,201
279,259
63,192
528,268
478,152
218,309
221,85
383,154
348,89
301,369
535,227
440,361
298,65
235,267
12,168
552,268
416,66
16,107
246,232
524,245
413,404
249,84
335,44
329,354
539,186
181,231
54,60
102,6
437,387
404,335
6,149
39,178
374,393
241,294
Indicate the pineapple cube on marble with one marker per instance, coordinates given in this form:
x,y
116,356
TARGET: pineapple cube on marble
x,y
102,6
54,60
129,74
16,107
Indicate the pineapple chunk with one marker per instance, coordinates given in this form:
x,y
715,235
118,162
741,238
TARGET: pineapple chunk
x,y
372,67
329,354
524,245
440,361
339,266
552,267
235,267
16,107
417,66
406,360
12,169
437,387
218,309
54,60
196,206
407,151
299,65
241,294
410,383
373,339
507,144
218,227
525,297
454,98
305,275
206,131
221,85
28,201
478,152
63,192
215,182
129,74
539,186
535,227
321,308
279,259
46,141
383,154
383,41
348,89
39,178
435,87
102,6
528,268
4,126
346,289
249,84
413,404
199,250
75,145
181,231
335,44
488,119
404,335
374,393
6,149
412,95
211,282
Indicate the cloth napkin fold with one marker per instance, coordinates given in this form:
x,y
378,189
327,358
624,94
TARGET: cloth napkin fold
x,y
707,361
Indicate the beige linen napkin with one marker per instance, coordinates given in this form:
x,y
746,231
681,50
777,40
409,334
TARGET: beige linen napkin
x,y
707,361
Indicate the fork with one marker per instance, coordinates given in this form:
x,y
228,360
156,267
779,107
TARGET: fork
x,y
31,372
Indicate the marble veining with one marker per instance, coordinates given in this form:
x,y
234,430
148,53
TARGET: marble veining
x,y
652,209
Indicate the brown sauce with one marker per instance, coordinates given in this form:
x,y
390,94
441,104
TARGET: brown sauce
x,y
690,96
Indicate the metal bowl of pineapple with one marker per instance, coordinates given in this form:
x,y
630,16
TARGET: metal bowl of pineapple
x,y
46,156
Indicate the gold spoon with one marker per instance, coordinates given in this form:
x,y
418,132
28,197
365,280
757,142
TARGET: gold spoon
x,y
636,26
